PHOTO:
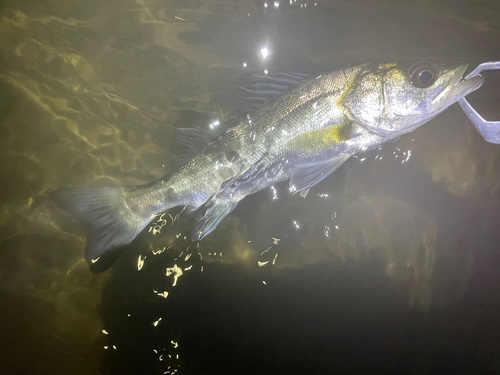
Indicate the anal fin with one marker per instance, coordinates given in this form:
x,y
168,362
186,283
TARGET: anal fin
x,y
209,216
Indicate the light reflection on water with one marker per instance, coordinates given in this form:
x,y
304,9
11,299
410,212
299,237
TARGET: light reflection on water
x,y
90,94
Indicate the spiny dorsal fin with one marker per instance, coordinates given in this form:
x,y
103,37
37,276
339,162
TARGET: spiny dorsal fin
x,y
194,130
257,89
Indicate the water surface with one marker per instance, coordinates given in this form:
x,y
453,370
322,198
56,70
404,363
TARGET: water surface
x,y
391,265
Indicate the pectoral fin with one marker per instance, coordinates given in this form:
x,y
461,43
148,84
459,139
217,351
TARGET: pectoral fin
x,y
306,176
209,216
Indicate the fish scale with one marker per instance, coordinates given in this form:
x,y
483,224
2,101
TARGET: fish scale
x,y
303,134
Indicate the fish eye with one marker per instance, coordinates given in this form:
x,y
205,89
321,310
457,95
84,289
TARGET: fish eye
x,y
422,74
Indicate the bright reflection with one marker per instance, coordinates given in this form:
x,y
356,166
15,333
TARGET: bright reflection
x,y
244,64
176,271
276,4
275,194
214,124
159,251
174,219
105,332
157,225
264,52
327,231
140,262
296,224
407,157
161,294
275,240
157,322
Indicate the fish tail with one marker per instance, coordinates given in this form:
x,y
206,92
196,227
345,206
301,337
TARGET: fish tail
x,y
110,222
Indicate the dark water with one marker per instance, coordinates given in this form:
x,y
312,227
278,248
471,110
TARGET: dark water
x,y
389,266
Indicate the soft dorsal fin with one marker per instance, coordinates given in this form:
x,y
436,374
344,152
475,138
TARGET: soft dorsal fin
x,y
306,176
257,89
193,130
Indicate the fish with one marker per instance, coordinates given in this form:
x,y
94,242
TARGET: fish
x,y
298,127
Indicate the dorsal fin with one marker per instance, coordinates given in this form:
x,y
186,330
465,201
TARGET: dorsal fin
x,y
257,89
194,130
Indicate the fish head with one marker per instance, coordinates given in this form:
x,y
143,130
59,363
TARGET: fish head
x,y
396,98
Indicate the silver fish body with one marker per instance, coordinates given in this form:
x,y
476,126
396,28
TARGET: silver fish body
x,y
303,135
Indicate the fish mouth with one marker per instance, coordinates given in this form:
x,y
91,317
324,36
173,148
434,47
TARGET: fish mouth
x,y
457,88
443,97
460,87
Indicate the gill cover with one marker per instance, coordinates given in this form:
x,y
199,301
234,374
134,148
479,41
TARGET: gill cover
x,y
395,98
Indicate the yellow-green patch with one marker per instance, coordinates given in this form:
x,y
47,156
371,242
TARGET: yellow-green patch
x,y
319,139
388,65
396,75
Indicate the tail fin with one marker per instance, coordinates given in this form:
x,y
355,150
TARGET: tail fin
x,y
111,224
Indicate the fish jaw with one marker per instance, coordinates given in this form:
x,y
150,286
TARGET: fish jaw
x,y
463,88
389,103
443,98
457,89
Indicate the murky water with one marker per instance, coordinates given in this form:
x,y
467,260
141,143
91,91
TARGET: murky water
x,y
391,265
